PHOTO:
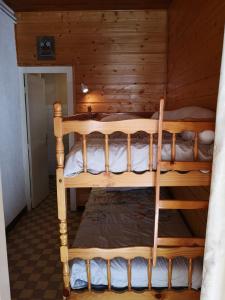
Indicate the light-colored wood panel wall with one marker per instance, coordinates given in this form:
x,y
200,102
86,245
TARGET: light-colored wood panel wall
x,y
194,52
120,54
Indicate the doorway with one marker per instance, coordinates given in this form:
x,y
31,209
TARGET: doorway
x,y
40,88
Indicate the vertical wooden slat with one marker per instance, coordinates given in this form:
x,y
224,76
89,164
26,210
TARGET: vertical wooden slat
x,y
157,182
109,274
84,142
173,152
196,147
128,153
170,267
150,152
106,153
190,268
89,274
129,273
149,274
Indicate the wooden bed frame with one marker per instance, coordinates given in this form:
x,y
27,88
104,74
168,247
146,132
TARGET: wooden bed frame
x,y
176,176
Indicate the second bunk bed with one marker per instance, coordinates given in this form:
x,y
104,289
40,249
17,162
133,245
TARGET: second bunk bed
x,y
132,242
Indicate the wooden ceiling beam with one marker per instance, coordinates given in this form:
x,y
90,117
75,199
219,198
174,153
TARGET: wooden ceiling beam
x,y
67,5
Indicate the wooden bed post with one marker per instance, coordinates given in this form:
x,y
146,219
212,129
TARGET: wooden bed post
x,y
157,183
61,198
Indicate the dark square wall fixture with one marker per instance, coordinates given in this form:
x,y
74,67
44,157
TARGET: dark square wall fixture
x,y
45,48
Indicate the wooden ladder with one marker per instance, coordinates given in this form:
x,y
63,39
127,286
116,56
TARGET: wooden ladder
x,y
170,203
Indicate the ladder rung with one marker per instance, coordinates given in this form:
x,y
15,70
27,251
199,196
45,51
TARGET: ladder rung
x,y
183,204
180,242
186,165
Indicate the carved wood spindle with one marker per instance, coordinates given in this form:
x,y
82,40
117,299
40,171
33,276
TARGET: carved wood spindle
x,y
84,143
190,269
58,134
196,146
61,197
106,153
150,152
170,267
64,251
128,153
88,263
173,152
129,274
149,274
109,274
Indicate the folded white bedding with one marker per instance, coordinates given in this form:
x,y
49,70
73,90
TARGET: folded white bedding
x,y
122,219
118,155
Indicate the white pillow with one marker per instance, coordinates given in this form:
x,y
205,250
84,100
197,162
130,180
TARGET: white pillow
x,y
188,112
119,117
205,137
191,112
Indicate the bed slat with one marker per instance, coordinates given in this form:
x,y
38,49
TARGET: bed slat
x,y
88,264
126,126
149,274
133,295
128,153
195,126
106,153
170,268
84,144
186,165
185,242
109,274
150,152
183,204
129,274
173,150
133,252
190,269
196,147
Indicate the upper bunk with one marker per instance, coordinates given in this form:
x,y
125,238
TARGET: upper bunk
x,y
126,151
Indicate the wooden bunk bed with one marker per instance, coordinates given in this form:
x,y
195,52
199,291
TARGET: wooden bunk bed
x,y
166,174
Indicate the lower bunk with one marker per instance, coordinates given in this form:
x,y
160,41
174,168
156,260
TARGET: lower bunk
x,y
105,260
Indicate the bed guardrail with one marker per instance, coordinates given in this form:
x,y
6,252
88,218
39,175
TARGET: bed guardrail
x,y
173,176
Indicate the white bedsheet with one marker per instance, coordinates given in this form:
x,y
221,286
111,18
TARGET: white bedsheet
x,y
120,219
118,155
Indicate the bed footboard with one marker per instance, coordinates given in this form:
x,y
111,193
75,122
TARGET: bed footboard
x,y
129,254
147,295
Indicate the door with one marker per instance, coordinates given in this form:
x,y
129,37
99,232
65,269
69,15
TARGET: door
x,y
37,137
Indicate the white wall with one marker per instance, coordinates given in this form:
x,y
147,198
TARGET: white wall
x,y
11,157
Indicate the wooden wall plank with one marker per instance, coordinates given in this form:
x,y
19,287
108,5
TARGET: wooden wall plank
x,y
57,5
194,52
120,54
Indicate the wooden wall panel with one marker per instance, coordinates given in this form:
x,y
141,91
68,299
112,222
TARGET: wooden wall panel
x,y
57,5
194,52
120,54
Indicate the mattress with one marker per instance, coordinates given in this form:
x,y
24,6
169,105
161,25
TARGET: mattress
x,y
118,155
121,218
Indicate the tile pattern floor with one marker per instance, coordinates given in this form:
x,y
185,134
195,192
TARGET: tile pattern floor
x,y
33,252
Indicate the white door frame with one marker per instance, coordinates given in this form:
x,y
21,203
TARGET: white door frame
x,y
4,274
68,70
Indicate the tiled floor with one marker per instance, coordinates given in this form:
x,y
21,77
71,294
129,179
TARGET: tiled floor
x,y
33,252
